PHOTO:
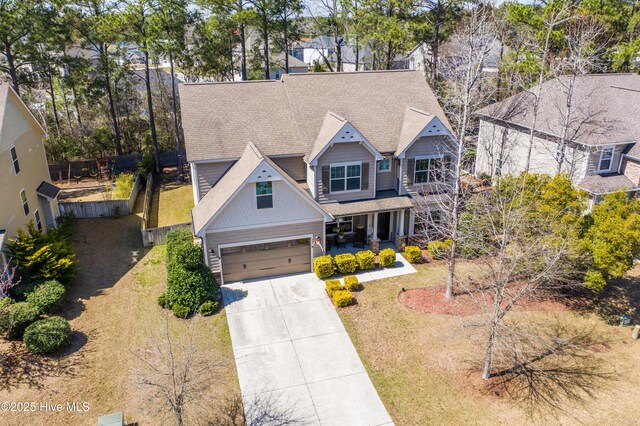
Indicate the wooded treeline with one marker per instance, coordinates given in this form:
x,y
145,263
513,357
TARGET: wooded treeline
x,y
90,69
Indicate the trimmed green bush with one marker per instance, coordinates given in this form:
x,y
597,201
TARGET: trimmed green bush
x,y
345,263
366,259
190,288
351,283
387,257
188,255
47,297
177,237
413,254
16,318
439,249
180,311
323,266
332,286
342,298
209,307
162,300
47,335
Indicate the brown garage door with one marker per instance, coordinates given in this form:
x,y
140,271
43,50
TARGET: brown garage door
x,y
265,259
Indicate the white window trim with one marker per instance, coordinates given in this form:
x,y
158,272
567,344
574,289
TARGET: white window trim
x,y
345,165
415,169
613,152
13,162
264,195
390,165
337,223
26,201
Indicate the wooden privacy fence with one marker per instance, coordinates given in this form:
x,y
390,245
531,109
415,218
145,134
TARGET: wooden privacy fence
x,y
107,208
154,236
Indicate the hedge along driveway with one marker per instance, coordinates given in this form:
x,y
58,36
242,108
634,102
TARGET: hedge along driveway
x,y
293,353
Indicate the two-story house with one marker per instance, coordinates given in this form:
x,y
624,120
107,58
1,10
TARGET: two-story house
x,y
587,128
25,186
280,167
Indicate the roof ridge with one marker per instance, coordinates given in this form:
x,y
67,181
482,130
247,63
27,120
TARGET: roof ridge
x,y
213,83
339,117
419,111
347,73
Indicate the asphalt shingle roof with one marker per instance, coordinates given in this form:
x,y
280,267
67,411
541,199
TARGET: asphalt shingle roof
x,y
48,190
285,117
604,184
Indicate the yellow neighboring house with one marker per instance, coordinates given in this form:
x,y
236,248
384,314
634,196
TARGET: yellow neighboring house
x,y
26,192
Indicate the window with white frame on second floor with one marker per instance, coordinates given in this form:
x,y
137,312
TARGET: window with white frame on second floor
x,y
14,160
264,195
36,216
25,204
429,170
606,160
345,177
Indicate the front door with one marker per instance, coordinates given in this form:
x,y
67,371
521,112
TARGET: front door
x,y
384,222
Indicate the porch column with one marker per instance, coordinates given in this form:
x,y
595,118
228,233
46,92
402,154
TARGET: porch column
x,y
400,240
401,224
375,226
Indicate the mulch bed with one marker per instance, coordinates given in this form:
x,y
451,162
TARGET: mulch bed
x,y
432,301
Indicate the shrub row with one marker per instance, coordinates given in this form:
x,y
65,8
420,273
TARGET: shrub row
x,y
341,295
190,283
413,254
347,263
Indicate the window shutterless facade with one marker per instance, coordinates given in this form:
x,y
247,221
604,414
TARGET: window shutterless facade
x,y
25,204
14,160
345,177
429,170
264,195
36,216
606,160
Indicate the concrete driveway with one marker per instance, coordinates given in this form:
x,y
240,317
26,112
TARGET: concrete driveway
x,y
294,358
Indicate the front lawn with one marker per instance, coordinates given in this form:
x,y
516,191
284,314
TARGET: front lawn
x,y
112,310
425,366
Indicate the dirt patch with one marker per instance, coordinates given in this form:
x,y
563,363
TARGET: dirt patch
x,y
432,301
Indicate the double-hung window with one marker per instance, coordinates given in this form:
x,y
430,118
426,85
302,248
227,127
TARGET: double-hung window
x,y
345,177
25,204
429,170
606,160
36,216
264,195
14,160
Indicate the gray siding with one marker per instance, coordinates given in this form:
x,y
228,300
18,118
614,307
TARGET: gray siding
x,y
594,160
215,239
343,153
209,174
429,145
294,166
387,180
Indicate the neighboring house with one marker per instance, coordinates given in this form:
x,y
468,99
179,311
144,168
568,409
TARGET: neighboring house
x,y
25,190
278,166
602,150
348,53
415,59
160,81
453,54
277,67
323,49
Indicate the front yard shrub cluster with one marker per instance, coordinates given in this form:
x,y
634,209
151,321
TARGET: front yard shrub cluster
x,y
47,335
342,298
439,249
387,257
345,263
413,254
323,266
366,259
332,286
16,318
209,307
351,283
190,283
42,256
47,297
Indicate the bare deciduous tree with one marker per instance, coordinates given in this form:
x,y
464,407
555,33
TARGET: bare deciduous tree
x,y
8,278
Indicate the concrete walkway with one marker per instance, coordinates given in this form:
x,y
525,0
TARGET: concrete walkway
x,y
294,358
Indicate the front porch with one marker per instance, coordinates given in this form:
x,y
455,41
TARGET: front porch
x,y
349,248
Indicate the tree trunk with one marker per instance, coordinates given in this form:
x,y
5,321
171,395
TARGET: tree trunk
x,y
435,47
66,106
77,108
243,49
152,121
174,110
357,53
112,107
13,72
265,36
54,105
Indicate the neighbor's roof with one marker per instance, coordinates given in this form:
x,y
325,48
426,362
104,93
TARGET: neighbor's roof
x,y
606,108
285,117
605,184
294,62
48,190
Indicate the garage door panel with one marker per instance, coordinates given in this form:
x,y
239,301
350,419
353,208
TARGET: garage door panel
x,y
266,259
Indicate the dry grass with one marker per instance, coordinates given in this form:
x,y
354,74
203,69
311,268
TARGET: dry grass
x,y
112,308
172,202
425,366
